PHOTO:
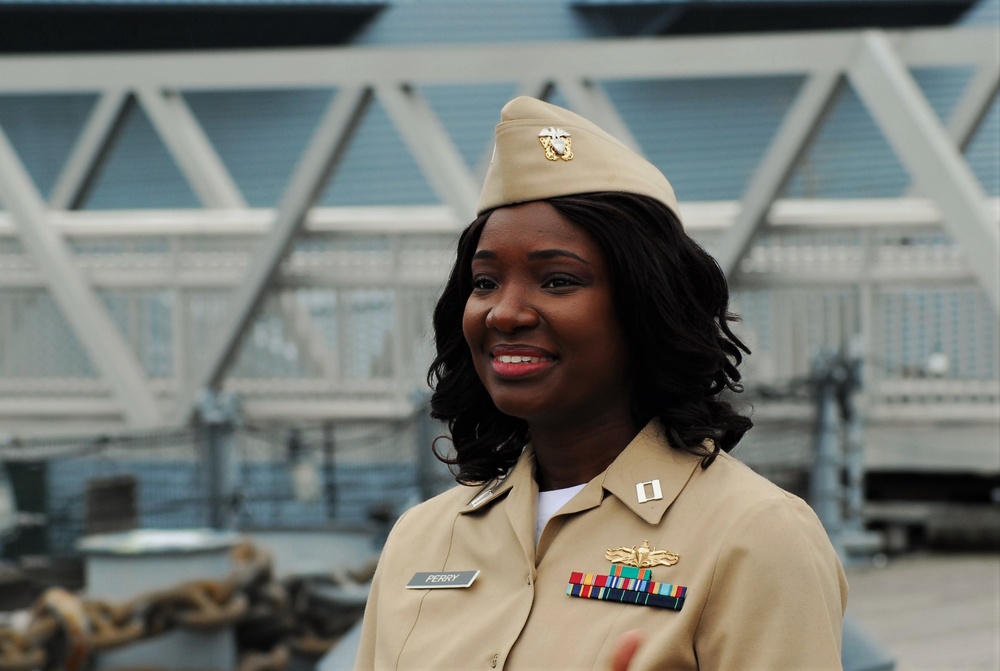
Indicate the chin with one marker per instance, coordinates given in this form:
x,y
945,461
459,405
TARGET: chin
x,y
519,409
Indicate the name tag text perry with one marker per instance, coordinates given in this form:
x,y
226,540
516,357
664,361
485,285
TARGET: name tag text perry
x,y
445,580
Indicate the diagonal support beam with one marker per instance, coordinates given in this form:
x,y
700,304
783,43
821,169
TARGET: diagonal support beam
x,y
968,113
323,153
923,146
431,147
974,104
84,311
592,102
190,147
535,88
91,149
803,117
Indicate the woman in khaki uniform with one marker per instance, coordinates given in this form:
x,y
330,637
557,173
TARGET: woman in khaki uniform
x,y
583,343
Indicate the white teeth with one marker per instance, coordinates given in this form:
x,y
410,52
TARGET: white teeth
x,y
521,359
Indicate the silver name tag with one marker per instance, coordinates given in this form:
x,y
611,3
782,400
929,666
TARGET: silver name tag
x,y
447,580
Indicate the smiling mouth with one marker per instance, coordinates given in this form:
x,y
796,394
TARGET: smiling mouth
x,y
505,358
520,366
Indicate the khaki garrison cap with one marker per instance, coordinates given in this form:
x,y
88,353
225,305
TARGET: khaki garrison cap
x,y
543,151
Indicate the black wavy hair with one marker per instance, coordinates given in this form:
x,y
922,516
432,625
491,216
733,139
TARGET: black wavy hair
x,y
672,301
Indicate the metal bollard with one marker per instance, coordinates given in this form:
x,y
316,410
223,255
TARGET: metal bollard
x,y
122,566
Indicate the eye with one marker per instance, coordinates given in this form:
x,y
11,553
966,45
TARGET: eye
x,y
483,283
560,282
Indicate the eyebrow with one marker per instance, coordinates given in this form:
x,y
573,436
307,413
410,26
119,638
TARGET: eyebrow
x,y
537,254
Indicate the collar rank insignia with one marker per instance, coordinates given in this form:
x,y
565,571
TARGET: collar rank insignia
x,y
630,579
557,144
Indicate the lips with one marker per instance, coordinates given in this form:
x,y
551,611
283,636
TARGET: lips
x,y
515,362
510,361
522,359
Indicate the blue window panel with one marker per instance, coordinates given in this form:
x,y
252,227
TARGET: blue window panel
x,y
377,168
707,136
260,135
43,129
983,152
475,22
469,114
140,172
984,13
848,158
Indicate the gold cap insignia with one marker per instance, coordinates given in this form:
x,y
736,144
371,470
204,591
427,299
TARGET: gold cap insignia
x,y
557,143
641,557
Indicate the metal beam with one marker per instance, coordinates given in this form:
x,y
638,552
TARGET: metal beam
x,y
772,173
942,47
201,166
534,88
84,311
91,149
922,144
590,100
432,148
323,153
309,339
793,53
968,113
714,215
744,55
974,104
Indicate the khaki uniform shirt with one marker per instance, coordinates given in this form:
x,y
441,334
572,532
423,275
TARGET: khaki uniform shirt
x,y
765,590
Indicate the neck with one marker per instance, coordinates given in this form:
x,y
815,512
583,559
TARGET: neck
x,y
574,456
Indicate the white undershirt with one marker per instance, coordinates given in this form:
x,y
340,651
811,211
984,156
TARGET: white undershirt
x,y
549,504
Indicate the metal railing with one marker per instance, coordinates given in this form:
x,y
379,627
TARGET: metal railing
x,y
110,320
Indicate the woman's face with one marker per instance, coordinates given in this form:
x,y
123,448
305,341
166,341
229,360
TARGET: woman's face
x,y
541,324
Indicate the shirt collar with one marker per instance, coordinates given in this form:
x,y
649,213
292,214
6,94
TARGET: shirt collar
x,y
523,470
647,458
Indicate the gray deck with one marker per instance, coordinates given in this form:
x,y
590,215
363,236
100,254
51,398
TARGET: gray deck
x,y
932,612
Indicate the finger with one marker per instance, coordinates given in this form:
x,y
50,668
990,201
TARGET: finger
x,y
626,648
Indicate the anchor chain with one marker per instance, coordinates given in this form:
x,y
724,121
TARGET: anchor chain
x,y
271,618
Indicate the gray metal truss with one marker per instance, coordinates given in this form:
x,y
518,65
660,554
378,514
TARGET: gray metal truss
x,y
102,340
320,159
974,104
431,146
189,146
922,144
792,138
875,63
91,148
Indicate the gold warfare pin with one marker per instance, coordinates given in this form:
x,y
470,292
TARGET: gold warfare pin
x,y
642,556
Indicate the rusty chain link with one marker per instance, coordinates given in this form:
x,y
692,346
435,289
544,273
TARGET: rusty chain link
x,y
65,631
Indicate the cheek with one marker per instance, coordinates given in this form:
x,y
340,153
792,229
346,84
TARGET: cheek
x,y
471,323
614,343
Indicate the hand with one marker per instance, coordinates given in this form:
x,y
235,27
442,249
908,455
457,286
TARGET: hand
x,y
626,648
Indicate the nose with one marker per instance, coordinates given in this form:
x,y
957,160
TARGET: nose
x,y
511,313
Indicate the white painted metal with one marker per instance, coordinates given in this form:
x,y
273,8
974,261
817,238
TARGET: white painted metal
x,y
974,104
432,148
744,55
320,159
191,149
792,138
231,250
540,88
922,144
699,216
91,147
592,102
100,337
